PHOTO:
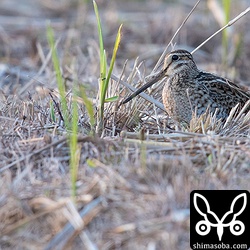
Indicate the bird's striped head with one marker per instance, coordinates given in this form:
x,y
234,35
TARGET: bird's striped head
x,y
176,62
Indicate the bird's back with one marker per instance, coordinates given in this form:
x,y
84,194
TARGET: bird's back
x,y
222,91
202,92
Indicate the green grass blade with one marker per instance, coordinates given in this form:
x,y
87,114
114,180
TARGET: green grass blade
x,y
74,148
52,112
112,99
103,71
89,106
104,77
59,78
116,46
101,46
103,80
226,8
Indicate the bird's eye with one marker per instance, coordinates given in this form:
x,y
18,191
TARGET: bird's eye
x,y
175,57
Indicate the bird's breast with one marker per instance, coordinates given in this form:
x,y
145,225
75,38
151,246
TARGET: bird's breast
x,y
175,99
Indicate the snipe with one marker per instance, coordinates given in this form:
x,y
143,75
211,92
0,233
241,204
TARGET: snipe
x,y
188,89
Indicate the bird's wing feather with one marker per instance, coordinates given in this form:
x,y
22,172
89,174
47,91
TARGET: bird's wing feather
x,y
218,86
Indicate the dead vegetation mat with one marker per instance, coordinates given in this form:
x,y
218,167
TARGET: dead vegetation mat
x,y
134,181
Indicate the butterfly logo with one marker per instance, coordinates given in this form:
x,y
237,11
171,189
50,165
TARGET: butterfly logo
x,y
203,227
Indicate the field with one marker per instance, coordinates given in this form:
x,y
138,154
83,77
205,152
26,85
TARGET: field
x,y
73,178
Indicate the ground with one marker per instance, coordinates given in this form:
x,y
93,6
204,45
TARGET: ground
x,y
135,177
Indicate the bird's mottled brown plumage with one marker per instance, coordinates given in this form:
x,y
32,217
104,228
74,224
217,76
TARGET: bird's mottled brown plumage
x,y
188,89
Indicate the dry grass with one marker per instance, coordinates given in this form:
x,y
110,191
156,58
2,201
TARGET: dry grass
x,y
134,183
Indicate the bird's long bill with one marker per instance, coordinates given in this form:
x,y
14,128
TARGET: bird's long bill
x,y
153,80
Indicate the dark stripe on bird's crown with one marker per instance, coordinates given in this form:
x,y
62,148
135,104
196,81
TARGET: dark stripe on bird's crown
x,y
181,53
